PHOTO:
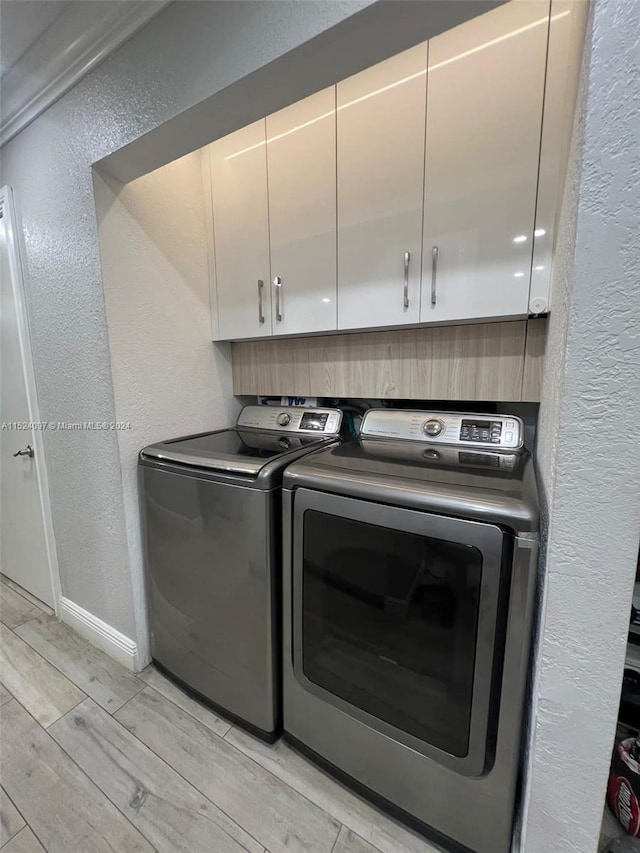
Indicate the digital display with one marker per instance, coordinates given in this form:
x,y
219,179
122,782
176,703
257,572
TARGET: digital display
x,y
485,432
314,420
476,424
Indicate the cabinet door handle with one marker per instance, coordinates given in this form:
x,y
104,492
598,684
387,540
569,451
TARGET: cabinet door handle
x,y
407,258
28,451
277,282
260,289
434,269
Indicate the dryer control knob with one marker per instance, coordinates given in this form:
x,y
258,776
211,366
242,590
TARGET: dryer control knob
x,y
432,427
283,419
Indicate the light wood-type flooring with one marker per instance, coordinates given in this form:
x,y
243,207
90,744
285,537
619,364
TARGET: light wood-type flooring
x,y
94,758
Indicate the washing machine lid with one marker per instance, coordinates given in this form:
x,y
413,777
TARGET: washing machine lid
x,y
480,484
233,451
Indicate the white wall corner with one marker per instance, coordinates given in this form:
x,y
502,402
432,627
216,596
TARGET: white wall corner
x,y
76,42
100,634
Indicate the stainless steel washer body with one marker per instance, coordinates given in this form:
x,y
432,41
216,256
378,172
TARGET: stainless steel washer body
x,y
211,527
409,586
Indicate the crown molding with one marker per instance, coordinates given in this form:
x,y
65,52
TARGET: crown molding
x,y
73,45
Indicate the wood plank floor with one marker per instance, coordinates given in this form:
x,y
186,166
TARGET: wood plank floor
x,y
94,758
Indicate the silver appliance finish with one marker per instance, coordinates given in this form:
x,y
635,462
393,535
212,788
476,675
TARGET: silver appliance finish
x,y
481,498
211,524
496,432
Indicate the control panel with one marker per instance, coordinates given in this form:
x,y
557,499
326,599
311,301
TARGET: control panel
x,y
499,432
291,419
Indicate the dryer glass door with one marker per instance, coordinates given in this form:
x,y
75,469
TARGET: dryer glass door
x,y
398,620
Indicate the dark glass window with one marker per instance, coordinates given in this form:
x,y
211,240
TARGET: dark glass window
x,y
389,624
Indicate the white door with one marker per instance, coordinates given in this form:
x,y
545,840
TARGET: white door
x,y
484,114
380,133
241,233
301,161
25,554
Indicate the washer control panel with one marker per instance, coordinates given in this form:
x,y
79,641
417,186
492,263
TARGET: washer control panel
x,y
500,432
291,419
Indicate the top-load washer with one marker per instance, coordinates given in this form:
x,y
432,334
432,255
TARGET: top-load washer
x,y
409,583
212,537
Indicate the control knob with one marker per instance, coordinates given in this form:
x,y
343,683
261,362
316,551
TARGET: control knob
x,y
432,427
283,419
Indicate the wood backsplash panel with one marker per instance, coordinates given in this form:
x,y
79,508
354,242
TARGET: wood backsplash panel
x,y
483,361
271,366
534,359
474,362
352,365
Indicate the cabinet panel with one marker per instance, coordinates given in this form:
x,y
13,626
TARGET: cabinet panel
x,y
301,160
566,38
241,230
484,361
271,367
380,136
484,113
534,359
471,362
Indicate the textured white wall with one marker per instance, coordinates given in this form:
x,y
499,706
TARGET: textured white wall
x,y
190,51
588,449
168,378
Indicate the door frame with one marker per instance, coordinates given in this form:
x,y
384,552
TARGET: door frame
x,y
489,539
15,251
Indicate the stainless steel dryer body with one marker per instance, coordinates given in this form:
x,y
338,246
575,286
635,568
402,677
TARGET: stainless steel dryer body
x,y
409,588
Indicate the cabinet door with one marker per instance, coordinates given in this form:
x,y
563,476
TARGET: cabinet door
x,y
241,229
301,160
380,132
484,114
566,39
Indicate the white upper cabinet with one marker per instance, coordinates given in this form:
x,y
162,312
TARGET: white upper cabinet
x,y
301,165
380,135
407,193
484,114
566,38
241,233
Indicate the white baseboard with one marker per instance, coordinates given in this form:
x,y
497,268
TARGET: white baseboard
x,y
108,639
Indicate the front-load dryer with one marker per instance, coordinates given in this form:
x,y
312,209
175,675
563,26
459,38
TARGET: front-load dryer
x,y
409,583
